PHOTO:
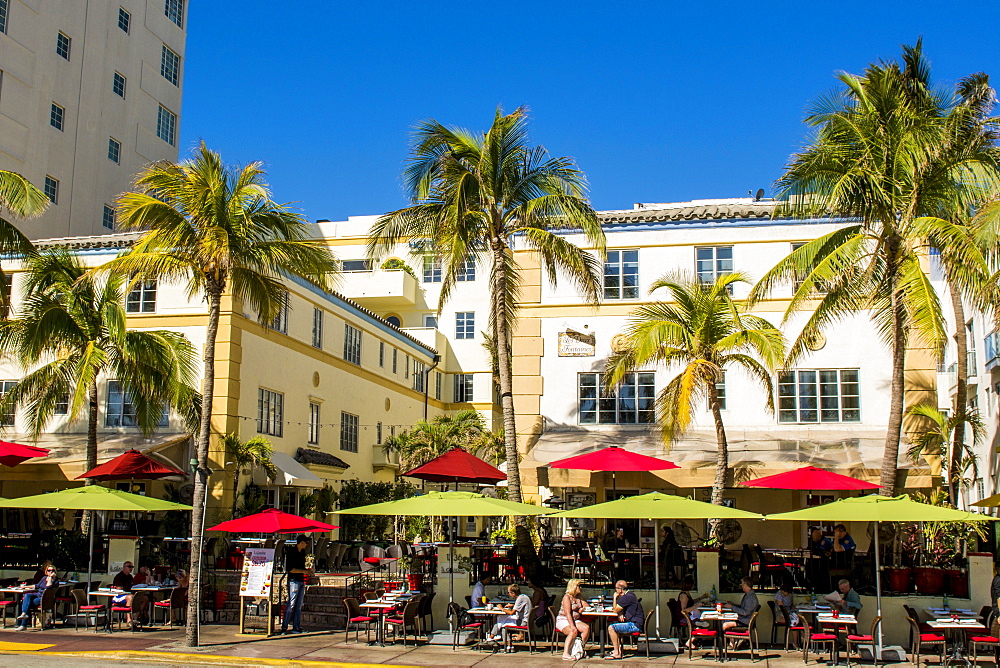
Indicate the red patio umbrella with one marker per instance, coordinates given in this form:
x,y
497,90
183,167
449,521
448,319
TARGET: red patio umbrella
x,y
131,465
12,454
273,520
613,459
459,466
810,478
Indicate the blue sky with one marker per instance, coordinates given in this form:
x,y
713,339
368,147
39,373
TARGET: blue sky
x,y
656,101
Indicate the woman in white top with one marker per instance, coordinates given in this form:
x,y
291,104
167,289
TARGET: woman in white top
x,y
568,620
517,614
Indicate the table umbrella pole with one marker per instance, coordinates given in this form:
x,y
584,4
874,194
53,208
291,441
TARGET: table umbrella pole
x,y
656,575
451,569
90,561
878,595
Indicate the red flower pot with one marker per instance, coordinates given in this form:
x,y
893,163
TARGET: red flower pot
x,y
415,581
957,583
928,581
220,599
899,579
221,562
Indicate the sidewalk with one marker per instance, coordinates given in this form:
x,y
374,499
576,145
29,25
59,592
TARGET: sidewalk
x,y
222,645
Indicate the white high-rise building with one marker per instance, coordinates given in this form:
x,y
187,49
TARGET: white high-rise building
x,y
89,93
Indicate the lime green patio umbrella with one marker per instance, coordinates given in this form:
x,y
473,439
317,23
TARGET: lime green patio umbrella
x,y
657,506
92,497
876,509
447,504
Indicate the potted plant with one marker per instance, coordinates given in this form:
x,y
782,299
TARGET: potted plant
x,y
408,564
219,593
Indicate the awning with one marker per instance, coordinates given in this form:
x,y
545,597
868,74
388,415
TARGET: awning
x,y
292,473
70,449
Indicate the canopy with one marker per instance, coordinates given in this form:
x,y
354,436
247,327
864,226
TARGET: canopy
x,y
656,505
874,508
988,502
93,497
447,504
613,458
457,465
273,520
131,465
809,478
12,454
293,473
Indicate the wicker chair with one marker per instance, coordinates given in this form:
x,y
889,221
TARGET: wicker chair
x,y
82,608
820,637
854,640
461,622
696,634
407,620
921,640
356,616
749,633
777,622
176,601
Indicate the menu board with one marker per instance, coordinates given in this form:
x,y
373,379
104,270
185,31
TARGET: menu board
x,y
258,566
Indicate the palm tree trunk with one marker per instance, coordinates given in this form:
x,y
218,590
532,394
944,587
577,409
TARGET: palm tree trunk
x,y
890,457
961,392
721,458
214,297
91,448
527,556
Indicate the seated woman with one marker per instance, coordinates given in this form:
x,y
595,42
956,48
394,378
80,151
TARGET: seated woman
x,y
568,621
689,603
784,598
34,599
517,614
40,573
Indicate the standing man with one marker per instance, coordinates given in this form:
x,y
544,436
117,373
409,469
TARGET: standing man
x,y
298,575
630,618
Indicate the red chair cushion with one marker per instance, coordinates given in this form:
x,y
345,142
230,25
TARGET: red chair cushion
x,y
985,639
394,620
474,625
854,638
120,609
68,599
372,560
931,637
91,607
823,636
517,628
6,602
161,604
362,619
703,632
738,634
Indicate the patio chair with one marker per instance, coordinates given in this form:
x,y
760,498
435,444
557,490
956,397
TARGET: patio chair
x,y
176,601
82,608
45,613
461,621
554,636
357,616
135,610
675,618
800,628
647,626
921,640
5,605
525,628
697,634
985,640
426,610
748,633
391,558
854,640
778,621
819,637
406,620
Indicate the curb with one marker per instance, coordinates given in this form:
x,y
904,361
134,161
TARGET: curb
x,y
203,659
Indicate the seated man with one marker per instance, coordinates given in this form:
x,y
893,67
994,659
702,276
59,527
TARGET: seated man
x,y
124,581
850,601
34,599
819,545
630,617
746,607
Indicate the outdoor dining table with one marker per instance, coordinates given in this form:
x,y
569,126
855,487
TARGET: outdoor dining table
x,y
840,621
492,611
379,606
719,618
956,627
109,594
604,614
21,590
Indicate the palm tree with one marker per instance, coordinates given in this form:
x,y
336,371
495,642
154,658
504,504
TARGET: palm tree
x,y
429,439
216,228
473,195
877,162
254,453
70,330
701,331
22,200
938,436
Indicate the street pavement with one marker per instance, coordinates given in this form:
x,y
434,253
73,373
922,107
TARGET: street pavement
x,y
223,645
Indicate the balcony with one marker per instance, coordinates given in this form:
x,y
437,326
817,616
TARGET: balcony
x,y
382,460
382,288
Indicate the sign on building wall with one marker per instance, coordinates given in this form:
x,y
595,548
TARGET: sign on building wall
x,y
258,567
577,344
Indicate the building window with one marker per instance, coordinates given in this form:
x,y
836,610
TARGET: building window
x,y
4,8
378,433
51,189
720,390
381,353
711,262
394,359
467,270
174,10
819,395
62,405
62,45
465,325
348,432
166,125
632,403
57,115
313,423
124,20
7,288
289,501
418,376
170,65
142,298
394,321
463,387
118,84
114,150
121,410
430,320
108,217
317,332
352,344
356,265
7,417
437,385
280,322
406,367
432,269
270,412
621,275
